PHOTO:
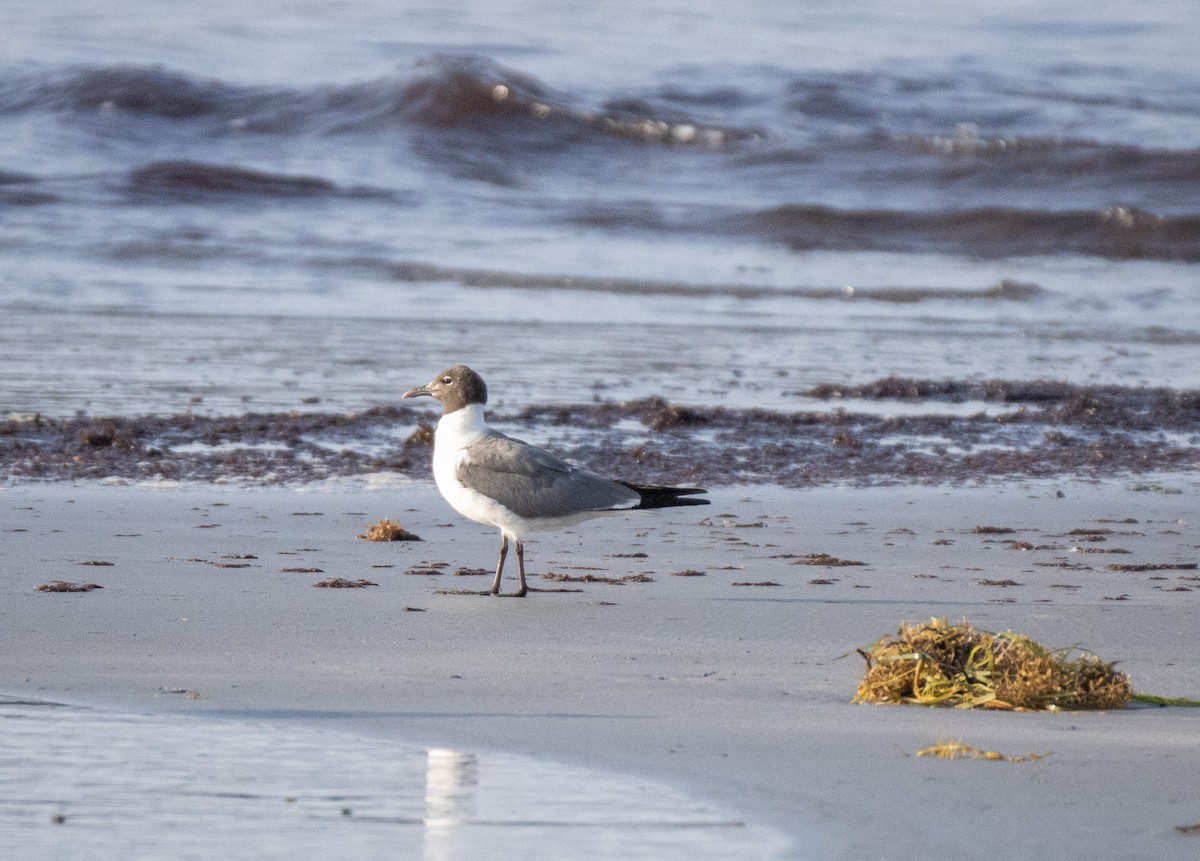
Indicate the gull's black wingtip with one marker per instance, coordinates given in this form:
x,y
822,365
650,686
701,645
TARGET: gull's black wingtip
x,y
656,496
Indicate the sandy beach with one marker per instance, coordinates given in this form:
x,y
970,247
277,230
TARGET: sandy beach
x,y
911,289
690,672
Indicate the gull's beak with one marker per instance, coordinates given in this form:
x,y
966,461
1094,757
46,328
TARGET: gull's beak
x,y
417,392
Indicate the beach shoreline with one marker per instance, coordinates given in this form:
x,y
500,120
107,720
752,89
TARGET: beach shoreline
x,y
736,693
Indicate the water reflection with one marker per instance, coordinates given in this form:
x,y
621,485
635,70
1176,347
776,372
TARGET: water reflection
x,y
82,784
451,782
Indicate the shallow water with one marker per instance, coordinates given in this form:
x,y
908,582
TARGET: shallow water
x,y
80,783
246,208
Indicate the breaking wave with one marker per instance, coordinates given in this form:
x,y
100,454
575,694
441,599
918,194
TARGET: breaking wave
x,y
438,92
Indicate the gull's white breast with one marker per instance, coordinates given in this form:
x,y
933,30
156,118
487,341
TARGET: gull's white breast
x,y
455,432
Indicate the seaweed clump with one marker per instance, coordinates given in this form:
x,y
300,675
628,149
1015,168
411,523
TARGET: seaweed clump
x,y
388,530
939,664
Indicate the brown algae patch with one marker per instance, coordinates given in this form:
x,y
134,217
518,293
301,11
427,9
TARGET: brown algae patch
x,y
939,664
388,530
597,578
1046,429
1153,566
64,586
340,583
825,560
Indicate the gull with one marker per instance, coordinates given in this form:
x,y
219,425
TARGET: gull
x,y
516,487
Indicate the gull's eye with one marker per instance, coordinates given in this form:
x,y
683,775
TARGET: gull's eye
x,y
447,381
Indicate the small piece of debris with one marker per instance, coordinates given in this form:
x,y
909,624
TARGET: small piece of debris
x,y
186,693
302,571
64,586
1155,488
388,530
825,559
758,583
998,583
97,563
688,572
958,750
820,581
628,555
471,572
993,530
340,583
1194,828
596,578
1158,566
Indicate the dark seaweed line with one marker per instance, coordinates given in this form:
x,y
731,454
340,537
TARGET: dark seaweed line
x,y
1072,431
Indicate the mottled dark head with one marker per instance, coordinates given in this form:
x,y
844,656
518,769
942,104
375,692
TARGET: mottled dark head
x,y
455,387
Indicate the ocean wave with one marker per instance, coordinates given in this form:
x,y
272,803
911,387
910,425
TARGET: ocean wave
x,y
188,177
147,90
466,92
16,189
443,92
1118,232
1047,159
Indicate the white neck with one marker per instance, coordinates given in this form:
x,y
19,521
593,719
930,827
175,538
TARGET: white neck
x,y
462,427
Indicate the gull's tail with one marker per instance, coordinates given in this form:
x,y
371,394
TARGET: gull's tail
x,y
655,496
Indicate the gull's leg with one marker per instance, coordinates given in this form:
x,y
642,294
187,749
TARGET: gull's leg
x,y
500,564
521,567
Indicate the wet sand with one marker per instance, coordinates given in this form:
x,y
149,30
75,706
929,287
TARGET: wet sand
x,y
687,669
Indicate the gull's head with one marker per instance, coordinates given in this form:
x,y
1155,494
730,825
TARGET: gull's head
x,y
455,387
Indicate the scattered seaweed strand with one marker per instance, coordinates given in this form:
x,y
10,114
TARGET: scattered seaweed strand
x,y
946,749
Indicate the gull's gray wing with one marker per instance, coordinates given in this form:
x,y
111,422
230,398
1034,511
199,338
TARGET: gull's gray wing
x,y
535,484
